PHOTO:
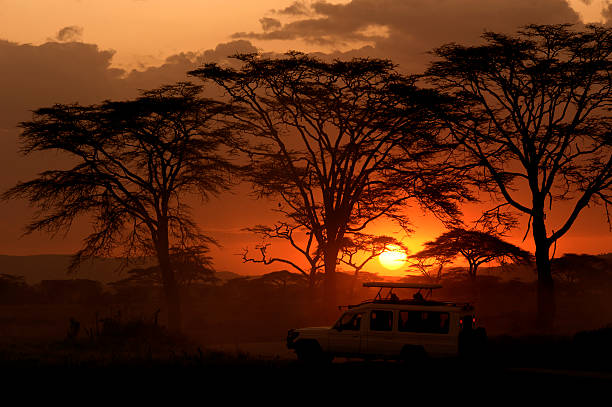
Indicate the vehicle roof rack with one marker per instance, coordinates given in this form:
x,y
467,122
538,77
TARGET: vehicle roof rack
x,y
402,285
392,297
464,305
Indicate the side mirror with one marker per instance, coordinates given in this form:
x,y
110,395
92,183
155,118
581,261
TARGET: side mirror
x,y
338,328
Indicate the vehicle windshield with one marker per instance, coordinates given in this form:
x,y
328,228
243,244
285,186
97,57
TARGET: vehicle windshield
x,y
350,321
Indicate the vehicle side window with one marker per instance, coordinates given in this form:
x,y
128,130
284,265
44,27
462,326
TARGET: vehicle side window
x,y
381,320
350,322
423,321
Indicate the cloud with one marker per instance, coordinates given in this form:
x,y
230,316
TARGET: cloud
x,y
411,28
607,13
176,66
297,8
66,72
268,23
70,33
33,76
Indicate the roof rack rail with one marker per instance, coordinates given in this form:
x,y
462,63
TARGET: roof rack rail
x,y
402,285
391,296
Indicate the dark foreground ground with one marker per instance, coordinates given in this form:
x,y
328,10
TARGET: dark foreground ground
x,y
546,366
60,350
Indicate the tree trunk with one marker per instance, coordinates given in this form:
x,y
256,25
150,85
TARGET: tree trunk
x,y
439,276
331,288
546,294
472,271
312,279
171,292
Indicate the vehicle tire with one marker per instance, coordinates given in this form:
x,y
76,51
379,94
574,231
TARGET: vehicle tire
x,y
472,344
480,344
413,355
310,353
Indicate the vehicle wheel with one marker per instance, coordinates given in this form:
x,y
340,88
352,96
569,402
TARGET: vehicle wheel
x,y
310,352
472,344
413,355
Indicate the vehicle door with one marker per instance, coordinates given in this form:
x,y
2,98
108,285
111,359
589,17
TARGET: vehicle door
x,y
379,340
345,336
429,329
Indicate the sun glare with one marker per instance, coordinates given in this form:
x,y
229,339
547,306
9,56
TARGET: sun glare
x,y
393,257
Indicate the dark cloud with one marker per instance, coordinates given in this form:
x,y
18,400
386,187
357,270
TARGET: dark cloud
x,y
607,13
176,66
405,30
268,23
33,76
70,33
297,8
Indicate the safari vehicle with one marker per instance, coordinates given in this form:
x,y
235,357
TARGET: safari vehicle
x,y
392,328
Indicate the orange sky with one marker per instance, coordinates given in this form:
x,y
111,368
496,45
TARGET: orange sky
x,y
145,32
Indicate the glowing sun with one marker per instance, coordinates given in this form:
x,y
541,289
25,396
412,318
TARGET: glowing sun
x,y
393,257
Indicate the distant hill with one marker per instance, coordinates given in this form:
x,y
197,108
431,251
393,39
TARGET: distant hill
x,y
55,267
227,275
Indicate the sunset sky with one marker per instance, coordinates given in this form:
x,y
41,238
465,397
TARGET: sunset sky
x,y
90,50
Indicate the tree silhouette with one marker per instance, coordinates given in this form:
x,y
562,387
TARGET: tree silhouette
x,y
340,143
476,247
361,248
582,269
189,265
134,163
531,116
285,231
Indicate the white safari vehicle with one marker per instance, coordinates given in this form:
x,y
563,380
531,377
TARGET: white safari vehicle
x,y
392,328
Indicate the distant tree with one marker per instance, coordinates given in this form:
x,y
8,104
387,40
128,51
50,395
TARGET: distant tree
x,y
189,265
476,247
430,264
582,269
10,280
340,143
531,115
13,289
361,248
287,232
134,162
282,279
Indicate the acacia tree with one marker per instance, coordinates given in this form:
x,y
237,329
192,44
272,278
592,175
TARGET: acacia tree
x,y
287,232
577,269
476,247
340,143
361,248
189,265
531,114
134,163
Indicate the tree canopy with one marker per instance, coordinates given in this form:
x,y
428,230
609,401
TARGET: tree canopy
x,y
474,246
